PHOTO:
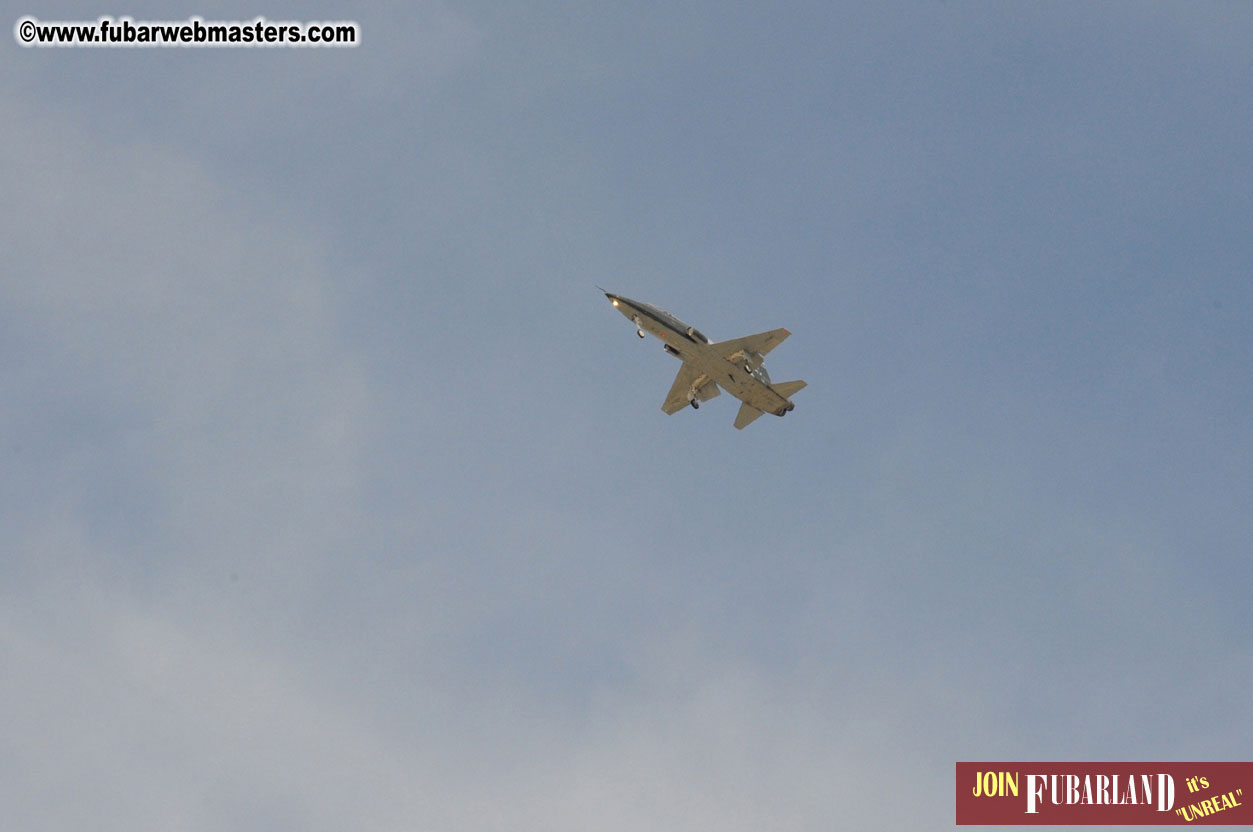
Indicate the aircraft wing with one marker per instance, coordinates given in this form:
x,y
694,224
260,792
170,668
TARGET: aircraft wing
x,y
689,379
761,343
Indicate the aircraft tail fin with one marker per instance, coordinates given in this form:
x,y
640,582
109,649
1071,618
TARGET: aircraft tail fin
x,y
746,416
787,388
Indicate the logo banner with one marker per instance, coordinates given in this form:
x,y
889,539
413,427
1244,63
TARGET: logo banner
x,y
1012,794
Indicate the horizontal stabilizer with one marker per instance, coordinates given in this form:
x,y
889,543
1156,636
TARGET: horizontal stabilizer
x,y
746,416
787,388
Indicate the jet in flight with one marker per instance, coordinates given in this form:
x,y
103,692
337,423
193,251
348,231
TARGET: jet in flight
x,y
735,365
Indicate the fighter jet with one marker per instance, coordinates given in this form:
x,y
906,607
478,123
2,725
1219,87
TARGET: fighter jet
x,y
735,365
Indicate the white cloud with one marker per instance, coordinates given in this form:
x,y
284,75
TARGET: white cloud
x,y
195,335
174,359
254,574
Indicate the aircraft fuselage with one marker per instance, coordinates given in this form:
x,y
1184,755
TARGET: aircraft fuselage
x,y
742,375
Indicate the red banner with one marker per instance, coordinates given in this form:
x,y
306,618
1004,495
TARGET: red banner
x,y
1012,794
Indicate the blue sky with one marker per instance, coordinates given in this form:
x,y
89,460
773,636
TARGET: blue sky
x,y
335,493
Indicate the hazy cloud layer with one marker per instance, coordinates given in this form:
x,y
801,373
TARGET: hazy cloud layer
x,y
335,495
